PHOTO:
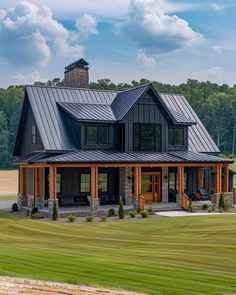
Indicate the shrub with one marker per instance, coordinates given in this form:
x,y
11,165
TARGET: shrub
x,y
103,218
54,210
34,210
191,208
132,213
71,218
144,213
204,207
121,209
151,211
89,218
222,203
15,207
209,210
213,208
111,212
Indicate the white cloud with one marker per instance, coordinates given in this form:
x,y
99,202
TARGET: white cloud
x,y
2,14
86,25
215,71
146,60
29,78
154,31
29,35
217,7
217,49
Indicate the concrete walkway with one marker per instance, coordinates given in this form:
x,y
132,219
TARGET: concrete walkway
x,y
185,213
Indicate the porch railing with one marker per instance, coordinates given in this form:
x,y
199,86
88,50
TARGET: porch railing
x,y
184,201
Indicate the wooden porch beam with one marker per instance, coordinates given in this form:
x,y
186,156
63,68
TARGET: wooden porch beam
x,y
22,180
52,182
180,180
218,179
226,178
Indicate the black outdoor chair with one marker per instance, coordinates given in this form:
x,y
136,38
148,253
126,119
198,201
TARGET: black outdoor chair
x,y
204,195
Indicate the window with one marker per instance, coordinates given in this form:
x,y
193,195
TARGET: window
x,y
34,134
176,136
147,137
58,183
97,135
85,182
172,180
103,182
201,178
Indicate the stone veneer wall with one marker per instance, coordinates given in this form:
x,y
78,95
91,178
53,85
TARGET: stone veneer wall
x,y
125,184
229,198
77,78
164,183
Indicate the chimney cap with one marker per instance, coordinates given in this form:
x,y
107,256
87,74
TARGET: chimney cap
x,y
80,63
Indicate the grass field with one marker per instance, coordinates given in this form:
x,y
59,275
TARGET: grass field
x,y
191,255
8,198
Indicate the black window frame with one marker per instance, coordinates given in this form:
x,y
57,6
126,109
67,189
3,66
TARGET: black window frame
x,y
101,181
157,146
87,183
34,134
174,129
98,135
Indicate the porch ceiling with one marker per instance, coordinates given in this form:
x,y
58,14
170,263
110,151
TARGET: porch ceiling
x,y
100,156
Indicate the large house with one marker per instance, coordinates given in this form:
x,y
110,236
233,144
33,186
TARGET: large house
x,y
82,146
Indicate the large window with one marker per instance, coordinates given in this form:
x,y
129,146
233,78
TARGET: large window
x,y
147,137
176,136
85,182
97,135
103,182
201,178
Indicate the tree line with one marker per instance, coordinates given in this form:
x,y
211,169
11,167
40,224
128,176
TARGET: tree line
x,y
215,105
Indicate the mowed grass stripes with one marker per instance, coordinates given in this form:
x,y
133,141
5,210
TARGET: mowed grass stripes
x,y
187,255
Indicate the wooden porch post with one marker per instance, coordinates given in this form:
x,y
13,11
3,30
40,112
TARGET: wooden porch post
x,y
180,180
226,178
52,182
218,178
94,182
22,181
137,181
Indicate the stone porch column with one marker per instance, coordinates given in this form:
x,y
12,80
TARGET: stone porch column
x,y
164,180
125,184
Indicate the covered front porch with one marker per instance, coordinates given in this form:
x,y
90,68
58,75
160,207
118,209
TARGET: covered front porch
x,y
99,186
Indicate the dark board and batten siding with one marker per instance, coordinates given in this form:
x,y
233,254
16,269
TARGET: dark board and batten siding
x,y
26,145
145,111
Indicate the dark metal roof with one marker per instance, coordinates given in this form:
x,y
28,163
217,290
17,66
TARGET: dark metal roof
x,y
100,156
89,104
44,100
91,112
125,100
199,139
81,63
181,119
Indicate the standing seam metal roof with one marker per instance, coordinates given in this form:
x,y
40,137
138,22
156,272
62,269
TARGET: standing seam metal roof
x,y
105,105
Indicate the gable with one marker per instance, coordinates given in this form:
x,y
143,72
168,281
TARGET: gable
x,y
23,143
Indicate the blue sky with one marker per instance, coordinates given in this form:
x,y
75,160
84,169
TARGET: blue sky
x,y
168,41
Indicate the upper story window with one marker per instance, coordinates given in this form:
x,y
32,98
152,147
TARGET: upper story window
x,y
34,134
176,136
97,135
147,137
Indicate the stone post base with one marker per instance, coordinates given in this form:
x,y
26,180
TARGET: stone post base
x,y
136,203
94,204
22,201
50,206
229,199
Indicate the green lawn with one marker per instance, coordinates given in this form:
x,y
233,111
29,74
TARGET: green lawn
x,y
8,198
158,256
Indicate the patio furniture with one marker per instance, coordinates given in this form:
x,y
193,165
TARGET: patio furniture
x,y
204,195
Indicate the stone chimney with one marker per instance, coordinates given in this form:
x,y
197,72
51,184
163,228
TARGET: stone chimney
x,y
77,74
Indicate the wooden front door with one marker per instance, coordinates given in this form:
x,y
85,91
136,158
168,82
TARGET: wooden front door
x,y
151,186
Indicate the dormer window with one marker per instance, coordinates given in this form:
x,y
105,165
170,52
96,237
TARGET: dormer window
x,y
176,136
97,135
34,134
